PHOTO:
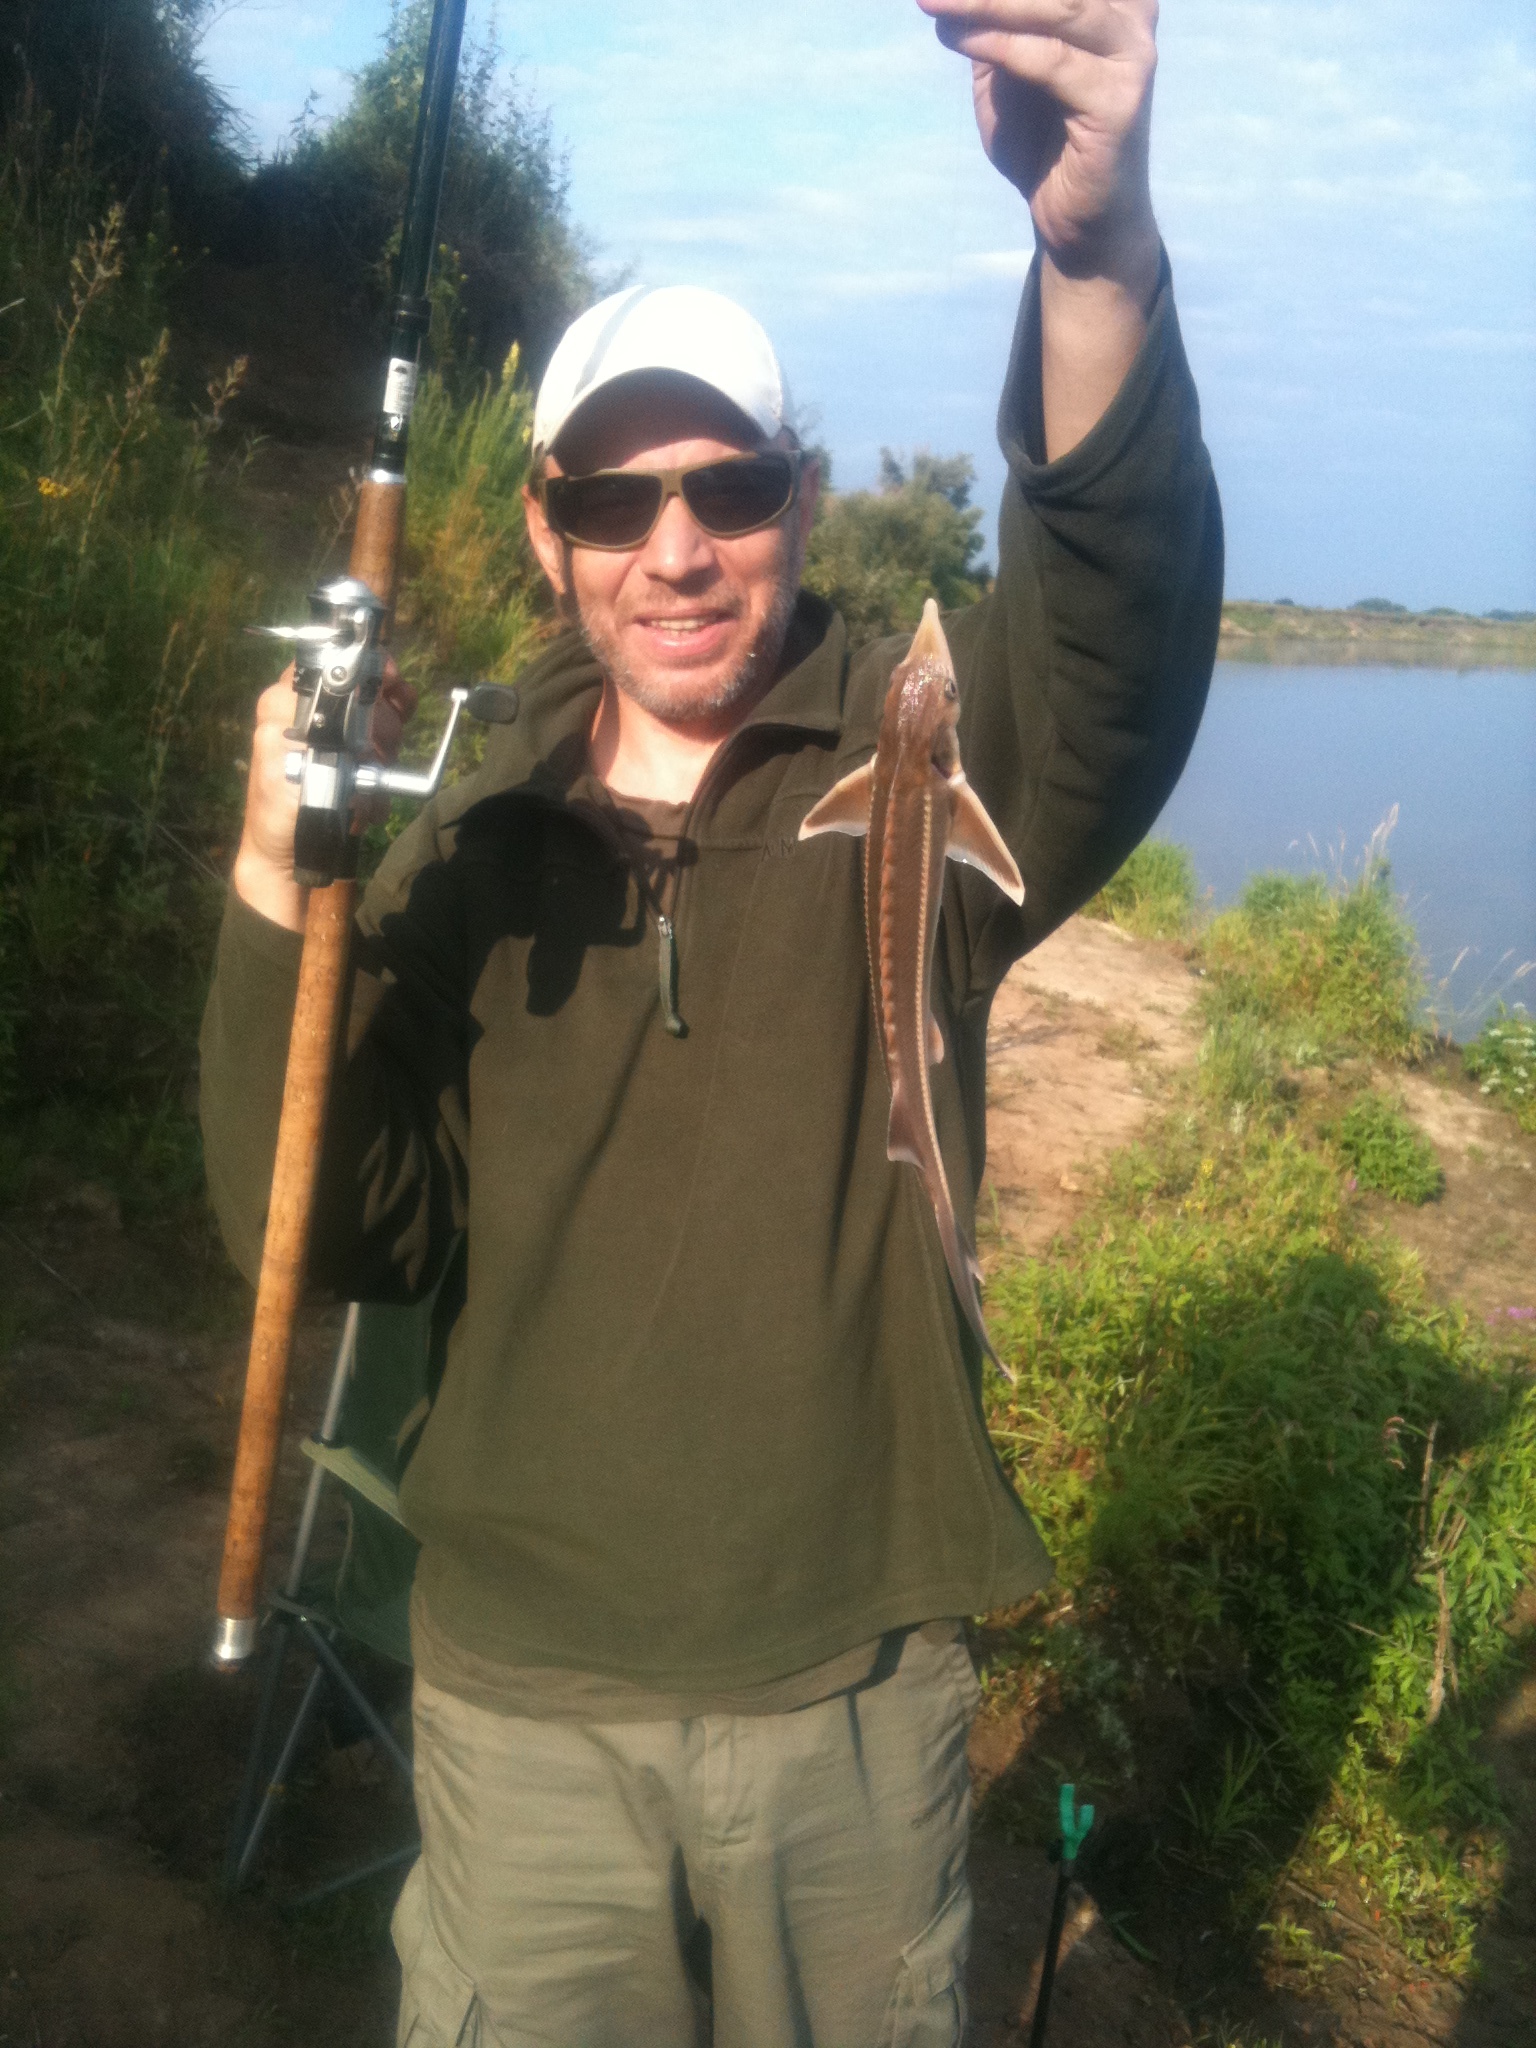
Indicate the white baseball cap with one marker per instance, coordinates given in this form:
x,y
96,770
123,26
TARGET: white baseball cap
x,y
677,327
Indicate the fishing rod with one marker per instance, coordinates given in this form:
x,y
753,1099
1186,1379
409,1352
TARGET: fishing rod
x,y
339,656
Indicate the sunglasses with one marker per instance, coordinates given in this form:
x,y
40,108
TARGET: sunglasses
x,y
617,509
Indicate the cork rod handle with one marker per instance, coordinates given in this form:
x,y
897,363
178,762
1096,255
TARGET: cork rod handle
x,y
301,1128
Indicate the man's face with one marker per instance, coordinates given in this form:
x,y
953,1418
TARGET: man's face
x,y
689,627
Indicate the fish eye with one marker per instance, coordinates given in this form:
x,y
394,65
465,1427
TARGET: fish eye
x,y
950,689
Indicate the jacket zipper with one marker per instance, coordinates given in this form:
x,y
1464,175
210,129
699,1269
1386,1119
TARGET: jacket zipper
x,y
668,962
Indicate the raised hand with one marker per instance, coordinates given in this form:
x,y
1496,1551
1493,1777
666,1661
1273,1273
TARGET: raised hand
x,y
1063,97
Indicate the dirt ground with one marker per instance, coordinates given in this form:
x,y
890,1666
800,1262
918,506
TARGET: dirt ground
x,y
120,1753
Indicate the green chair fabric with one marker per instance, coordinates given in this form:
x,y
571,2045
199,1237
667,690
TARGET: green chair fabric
x,y
395,1374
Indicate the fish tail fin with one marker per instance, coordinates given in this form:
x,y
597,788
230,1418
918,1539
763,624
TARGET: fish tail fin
x,y
905,1141
965,1276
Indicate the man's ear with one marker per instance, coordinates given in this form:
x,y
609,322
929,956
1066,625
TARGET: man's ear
x,y
547,545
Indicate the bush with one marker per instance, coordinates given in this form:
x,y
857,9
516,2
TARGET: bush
x,y
335,202
1152,895
1331,968
877,555
1387,1151
1249,1437
1503,1058
128,565
118,82
123,582
473,602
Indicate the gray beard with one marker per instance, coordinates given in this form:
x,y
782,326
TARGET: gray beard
x,y
734,692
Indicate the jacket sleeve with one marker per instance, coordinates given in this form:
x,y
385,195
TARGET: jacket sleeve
x,y
393,1182
1084,673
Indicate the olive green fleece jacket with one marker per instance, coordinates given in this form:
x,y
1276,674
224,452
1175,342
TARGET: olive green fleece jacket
x,y
710,1413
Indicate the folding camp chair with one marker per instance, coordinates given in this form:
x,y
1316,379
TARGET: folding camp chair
x,y
385,1373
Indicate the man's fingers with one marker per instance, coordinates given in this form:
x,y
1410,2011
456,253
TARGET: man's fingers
x,y
277,704
392,709
396,690
1101,28
1071,77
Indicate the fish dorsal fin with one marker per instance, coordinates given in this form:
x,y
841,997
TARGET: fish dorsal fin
x,y
976,841
845,807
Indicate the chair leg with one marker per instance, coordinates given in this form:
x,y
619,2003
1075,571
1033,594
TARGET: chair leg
x,y
277,1783
271,1678
359,1876
343,1678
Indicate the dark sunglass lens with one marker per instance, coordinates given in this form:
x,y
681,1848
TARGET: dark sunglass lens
x,y
733,497
605,511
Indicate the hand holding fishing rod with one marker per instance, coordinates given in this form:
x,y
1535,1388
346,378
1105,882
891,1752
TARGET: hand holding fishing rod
x,y
339,675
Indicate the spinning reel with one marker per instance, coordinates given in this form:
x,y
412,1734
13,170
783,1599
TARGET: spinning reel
x,y
338,667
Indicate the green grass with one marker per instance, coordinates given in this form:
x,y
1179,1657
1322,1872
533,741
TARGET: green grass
x,y
1387,1150
1266,1461
1152,895
1326,968
1503,1059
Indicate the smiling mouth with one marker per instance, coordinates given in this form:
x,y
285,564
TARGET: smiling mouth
x,y
684,622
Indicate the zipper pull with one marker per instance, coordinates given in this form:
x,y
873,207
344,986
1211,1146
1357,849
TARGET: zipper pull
x,y
668,977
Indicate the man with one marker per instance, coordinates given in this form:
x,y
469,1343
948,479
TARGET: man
x,y
706,1483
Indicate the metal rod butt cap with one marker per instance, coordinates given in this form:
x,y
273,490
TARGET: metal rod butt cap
x,y
234,1640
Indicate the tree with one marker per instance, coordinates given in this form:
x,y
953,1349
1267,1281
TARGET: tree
x,y
118,83
877,555
337,198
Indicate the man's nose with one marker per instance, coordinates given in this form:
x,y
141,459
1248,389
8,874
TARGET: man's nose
x,y
678,546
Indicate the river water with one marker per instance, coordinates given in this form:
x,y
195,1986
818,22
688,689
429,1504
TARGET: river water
x,y
1296,767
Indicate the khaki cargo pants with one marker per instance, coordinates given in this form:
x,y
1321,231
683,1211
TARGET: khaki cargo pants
x,y
776,1881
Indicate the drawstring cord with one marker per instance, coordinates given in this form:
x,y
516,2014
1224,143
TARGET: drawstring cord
x,y
667,975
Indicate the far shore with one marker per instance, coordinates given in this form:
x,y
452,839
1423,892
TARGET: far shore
x,y
1294,636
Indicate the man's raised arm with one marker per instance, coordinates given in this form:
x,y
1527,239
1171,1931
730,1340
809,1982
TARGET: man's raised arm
x,y
1063,96
1084,674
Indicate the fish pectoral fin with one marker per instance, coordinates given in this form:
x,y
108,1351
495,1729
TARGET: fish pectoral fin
x,y
845,807
976,842
935,1042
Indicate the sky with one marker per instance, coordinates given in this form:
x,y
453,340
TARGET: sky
x,y
1347,192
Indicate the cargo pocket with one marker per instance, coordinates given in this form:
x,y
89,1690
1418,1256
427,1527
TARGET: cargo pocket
x,y
438,2007
928,2007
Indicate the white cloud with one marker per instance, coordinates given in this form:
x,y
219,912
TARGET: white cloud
x,y
1347,187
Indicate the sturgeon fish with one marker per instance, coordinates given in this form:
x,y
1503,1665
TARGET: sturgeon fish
x,y
914,809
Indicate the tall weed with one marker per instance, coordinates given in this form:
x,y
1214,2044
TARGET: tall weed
x,y
473,601
122,585
128,566
1331,967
